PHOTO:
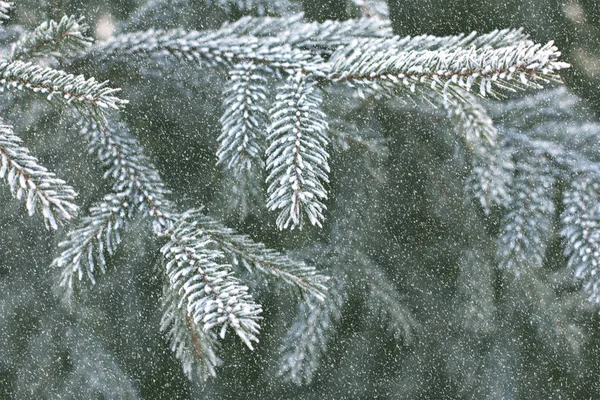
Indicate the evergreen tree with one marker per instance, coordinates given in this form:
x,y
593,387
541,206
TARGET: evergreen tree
x,y
369,215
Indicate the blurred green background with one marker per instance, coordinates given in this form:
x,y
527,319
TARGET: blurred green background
x,y
480,334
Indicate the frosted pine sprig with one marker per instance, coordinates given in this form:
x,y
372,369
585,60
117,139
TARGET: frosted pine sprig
x,y
78,91
322,37
490,179
244,121
97,234
383,66
258,259
134,175
581,230
243,136
27,179
471,121
523,240
491,40
136,187
297,157
195,348
210,48
130,170
65,37
212,296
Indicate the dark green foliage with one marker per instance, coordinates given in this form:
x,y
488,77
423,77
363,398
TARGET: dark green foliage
x,y
460,233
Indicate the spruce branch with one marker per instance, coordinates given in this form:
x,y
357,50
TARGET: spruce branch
x,y
51,196
368,57
211,48
296,157
495,39
382,66
200,284
244,119
257,258
130,169
323,37
141,189
490,179
581,230
306,341
244,123
526,226
52,38
97,234
96,98
137,188
128,166
207,288
551,128
195,348
471,122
